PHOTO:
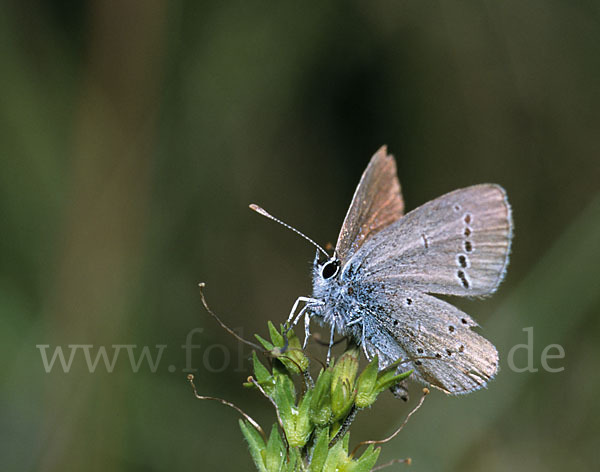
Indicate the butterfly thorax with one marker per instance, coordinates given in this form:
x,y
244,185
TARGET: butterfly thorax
x,y
340,307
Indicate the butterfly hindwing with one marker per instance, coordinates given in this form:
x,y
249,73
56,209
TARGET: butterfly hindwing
x,y
437,339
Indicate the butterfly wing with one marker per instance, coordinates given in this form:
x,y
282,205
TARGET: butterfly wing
x,y
457,244
446,353
377,203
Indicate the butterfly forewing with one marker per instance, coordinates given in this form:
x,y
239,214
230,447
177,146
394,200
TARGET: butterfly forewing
x,y
457,244
377,203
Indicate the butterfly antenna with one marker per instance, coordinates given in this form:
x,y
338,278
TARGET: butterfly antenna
x,y
265,213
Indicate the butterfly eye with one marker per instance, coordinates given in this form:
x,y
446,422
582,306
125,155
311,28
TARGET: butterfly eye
x,y
330,268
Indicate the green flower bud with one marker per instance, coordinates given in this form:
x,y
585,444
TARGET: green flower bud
x,y
366,385
342,383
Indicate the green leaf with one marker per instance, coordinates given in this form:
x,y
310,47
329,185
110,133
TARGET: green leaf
x,y
295,458
303,425
364,464
261,373
320,406
276,336
266,344
346,442
284,398
388,379
336,456
262,376
320,451
288,387
256,444
275,456
371,383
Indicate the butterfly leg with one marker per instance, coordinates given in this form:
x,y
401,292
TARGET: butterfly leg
x,y
298,316
293,316
362,336
362,342
362,327
307,317
330,342
358,320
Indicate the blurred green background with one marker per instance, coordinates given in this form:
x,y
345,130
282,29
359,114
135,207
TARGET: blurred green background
x,y
133,136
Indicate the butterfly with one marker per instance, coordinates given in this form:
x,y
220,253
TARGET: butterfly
x,y
379,286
